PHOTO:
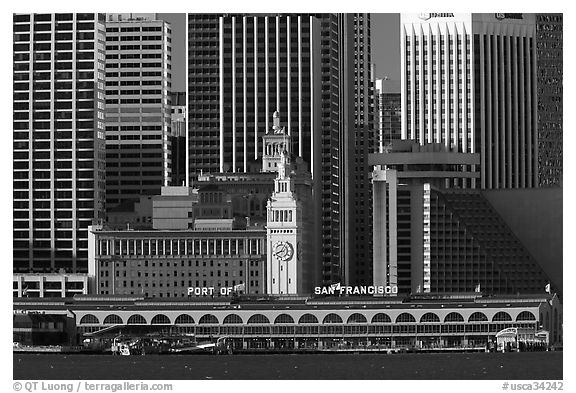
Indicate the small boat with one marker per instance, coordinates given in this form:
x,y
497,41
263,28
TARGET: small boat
x,y
152,344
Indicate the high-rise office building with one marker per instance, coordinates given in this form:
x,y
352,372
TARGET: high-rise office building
x,y
469,82
549,73
138,118
58,134
314,69
358,137
178,138
243,68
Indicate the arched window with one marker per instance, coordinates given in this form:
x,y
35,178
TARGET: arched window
x,y
478,317
405,317
184,319
232,319
258,319
381,318
525,316
430,317
356,318
208,319
160,319
454,317
283,318
501,316
308,318
113,319
332,318
89,319
136,319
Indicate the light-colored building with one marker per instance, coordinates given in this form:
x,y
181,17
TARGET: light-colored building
x,y
58,135
166,263
40,285
469,82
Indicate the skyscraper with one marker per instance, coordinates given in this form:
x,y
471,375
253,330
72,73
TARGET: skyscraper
x,y
138,118
358,125
242,68
550,71
58,138
312,68
469,82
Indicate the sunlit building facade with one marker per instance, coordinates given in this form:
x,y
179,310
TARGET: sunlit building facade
x,y
58,136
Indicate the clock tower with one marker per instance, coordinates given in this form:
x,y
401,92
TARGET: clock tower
x,y
288,267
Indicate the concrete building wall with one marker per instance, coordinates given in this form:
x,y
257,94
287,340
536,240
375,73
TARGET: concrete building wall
x,y
167,263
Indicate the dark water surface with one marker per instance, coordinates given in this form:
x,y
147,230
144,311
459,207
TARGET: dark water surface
x,y
527,365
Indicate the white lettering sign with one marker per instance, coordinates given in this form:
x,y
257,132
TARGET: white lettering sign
x,y
356,290
210,291
501,16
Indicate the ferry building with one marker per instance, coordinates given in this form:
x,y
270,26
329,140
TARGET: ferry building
x,y
440,321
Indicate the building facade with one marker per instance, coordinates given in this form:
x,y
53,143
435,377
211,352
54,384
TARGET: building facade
x,y
58,134
167,263
469,81
138,107
549,52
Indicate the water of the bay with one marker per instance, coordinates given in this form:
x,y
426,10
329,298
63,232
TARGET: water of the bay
x,y
437,366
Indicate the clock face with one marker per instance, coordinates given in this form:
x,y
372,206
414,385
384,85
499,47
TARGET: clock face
x,y
283,251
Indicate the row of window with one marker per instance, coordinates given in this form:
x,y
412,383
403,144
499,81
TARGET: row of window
x,y
146,247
